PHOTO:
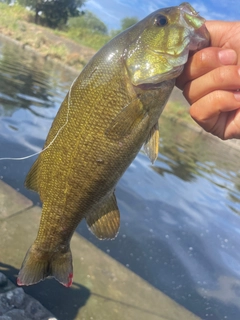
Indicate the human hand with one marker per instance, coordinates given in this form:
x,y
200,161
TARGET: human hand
x,y
211,80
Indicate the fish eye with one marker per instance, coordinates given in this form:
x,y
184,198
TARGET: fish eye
x,y
161,20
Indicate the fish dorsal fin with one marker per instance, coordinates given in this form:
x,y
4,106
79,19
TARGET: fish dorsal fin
x,y
31,179
152,142
126,120
105,221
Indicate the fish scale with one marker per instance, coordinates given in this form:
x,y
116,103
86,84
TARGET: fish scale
x,y
111,110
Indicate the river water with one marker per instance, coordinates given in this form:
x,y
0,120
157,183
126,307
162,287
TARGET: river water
x,y
180,222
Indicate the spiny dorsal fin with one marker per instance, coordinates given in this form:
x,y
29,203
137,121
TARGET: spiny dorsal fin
x,y
152,142
105,222
126,120
31,179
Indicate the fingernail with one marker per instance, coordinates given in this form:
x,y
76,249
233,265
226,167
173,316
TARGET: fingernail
x,y
227,56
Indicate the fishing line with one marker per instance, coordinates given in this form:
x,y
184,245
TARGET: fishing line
x,y
48,146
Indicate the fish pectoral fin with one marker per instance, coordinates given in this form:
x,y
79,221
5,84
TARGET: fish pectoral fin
x,y
31,179
105,222
126,120
152,143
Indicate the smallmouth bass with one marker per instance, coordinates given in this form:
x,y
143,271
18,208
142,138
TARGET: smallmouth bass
x,y
110,111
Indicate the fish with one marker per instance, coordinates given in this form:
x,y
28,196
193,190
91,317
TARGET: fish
x,y
111,110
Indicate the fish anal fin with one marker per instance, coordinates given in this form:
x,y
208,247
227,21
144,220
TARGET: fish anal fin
x,y
39,264
152,143
31,179
126,120
105,221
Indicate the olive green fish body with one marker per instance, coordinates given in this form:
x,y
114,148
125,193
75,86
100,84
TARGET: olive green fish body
x,y
90,160
110,111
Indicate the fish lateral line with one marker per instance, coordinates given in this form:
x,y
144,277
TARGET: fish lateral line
x,y
53,140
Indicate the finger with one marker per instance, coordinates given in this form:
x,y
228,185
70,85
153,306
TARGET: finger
x,y
211,111
232,127
225,35
203,62
223,78
220,30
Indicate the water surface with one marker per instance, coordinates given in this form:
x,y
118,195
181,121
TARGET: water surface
x,y
180,223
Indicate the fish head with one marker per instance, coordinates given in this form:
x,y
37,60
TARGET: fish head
x,y
161,47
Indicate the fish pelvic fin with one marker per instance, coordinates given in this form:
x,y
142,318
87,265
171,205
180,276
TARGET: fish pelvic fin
x,y
104,222
152,143
39,264
31,179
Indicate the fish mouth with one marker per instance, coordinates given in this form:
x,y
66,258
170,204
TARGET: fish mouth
x,y
200,40
199,34
186,7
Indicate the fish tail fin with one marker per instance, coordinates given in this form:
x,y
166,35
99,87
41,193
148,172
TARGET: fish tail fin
x,y
39,264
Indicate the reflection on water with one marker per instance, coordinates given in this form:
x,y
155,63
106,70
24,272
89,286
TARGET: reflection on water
x,y
180,223
22,84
